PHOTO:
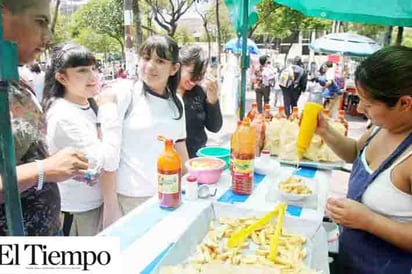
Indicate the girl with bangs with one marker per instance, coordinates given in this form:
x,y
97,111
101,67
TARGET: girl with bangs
x,y
148,107
72,121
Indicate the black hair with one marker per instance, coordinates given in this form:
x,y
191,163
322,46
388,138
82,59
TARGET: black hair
x,y
298,61
263,59
328,64
65,55
193,54
18,6
35,67
166,48
386,75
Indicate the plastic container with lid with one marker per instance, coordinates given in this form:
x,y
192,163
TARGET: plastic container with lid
x,y
191,188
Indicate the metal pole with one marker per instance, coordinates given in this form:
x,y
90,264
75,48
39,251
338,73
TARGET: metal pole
x,y
245,58
8,71
129,38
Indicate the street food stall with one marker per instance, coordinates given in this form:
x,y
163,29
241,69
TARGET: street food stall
x,y
151,236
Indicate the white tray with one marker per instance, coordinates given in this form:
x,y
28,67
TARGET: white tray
x,y
195,234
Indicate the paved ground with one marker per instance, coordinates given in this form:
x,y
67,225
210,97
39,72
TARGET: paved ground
x,y
338,184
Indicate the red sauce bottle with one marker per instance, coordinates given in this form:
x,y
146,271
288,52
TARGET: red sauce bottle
x,y
169,175
243,159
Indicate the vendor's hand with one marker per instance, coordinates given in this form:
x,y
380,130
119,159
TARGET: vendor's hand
x,y
349,213
65,164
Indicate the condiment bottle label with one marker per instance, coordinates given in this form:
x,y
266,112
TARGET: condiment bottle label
x,y
168,183
242,166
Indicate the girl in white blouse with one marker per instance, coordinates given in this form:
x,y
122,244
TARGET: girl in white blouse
x,y
72,121
149,107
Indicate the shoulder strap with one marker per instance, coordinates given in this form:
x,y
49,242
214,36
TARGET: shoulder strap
x,y
374,131
130,106
93,105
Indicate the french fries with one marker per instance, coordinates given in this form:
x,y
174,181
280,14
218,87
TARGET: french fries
x,y
294,185
254,251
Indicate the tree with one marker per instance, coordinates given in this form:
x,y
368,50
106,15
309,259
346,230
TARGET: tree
x,y
103,17
183,36
97,42
166,13
225,27
280,21
55,16
203,15
372,31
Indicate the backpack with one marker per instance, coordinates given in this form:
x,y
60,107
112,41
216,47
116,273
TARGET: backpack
x,y
286,77
340,81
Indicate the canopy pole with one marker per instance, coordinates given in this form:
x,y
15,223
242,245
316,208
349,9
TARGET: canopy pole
x,y
8,71
245,58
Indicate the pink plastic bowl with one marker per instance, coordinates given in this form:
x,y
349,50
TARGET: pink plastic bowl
x,y
207,170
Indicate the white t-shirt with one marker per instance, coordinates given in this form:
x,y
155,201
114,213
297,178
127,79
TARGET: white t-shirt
x,y
38,84
72,125
148,116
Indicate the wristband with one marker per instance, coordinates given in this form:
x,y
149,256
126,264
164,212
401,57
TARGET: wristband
x,y
40,169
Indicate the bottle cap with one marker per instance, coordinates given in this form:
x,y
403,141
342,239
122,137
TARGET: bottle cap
x,y
191,179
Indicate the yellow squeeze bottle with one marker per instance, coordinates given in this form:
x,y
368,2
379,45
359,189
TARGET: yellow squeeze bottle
x,y
307,127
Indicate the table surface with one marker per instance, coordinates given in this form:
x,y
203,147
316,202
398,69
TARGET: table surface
x,y
148,232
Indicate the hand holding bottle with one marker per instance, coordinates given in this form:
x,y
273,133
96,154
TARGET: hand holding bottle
x,y
65,164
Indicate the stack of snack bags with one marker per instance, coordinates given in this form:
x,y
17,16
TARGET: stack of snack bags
x,y
281,136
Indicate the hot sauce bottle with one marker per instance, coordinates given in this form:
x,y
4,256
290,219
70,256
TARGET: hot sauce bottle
x,y
243,159
267,113
281,113
253,112
169,167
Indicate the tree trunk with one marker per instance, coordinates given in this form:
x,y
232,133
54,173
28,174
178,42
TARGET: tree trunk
x,y
209,46
388,36
55,15
399,36
138,23
219,37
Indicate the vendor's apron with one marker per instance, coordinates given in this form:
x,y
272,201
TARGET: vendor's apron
x,y
361,252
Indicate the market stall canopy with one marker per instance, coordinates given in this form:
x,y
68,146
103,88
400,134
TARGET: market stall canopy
x,y
393,13
235,8
345,43
235,45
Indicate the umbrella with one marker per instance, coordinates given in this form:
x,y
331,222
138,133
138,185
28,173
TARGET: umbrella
x,y
345,43
394,12
235,45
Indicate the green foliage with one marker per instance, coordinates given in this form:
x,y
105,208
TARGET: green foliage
x,y
280,21
227,31
183,36
103,17
166,13
371,31
97,42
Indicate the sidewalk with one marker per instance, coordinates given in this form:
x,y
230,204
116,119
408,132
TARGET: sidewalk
x,y
339,180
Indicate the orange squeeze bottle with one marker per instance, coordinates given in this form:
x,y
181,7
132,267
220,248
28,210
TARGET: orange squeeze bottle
x,y
253,112
169,167
307,127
